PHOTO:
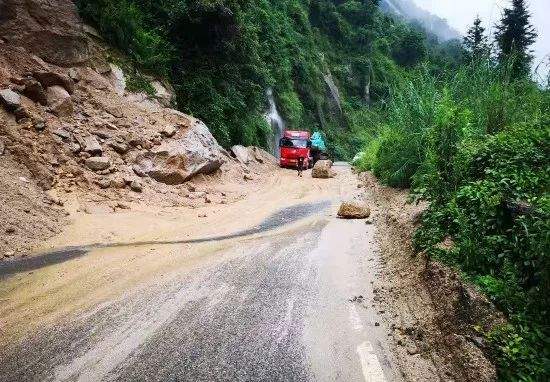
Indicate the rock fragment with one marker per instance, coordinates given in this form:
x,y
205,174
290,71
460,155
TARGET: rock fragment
x,y
353,210
241,153
323,170
169,131
120,147
136,186
47,79
10,99
98,163
118,182
59,101
90,145
62,133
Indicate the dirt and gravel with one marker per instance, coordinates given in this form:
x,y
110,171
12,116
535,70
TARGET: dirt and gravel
x,y
27,215
74,141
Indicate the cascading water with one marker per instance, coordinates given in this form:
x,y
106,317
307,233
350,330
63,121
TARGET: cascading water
x,y
276,122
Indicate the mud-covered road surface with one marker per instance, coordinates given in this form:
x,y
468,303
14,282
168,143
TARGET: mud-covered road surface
x,y
283,294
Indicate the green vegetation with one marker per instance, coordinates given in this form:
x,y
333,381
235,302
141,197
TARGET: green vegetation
x,y
468,132
514,36
222,55
475,143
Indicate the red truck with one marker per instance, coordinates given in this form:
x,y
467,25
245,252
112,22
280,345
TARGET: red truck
x,y
294,145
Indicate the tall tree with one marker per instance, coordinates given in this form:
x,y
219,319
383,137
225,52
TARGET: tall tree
x,y
514,36
475,41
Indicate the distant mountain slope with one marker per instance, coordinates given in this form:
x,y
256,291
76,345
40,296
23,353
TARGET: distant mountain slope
x,y
410,11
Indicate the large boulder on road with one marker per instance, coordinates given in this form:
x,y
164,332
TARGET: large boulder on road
x,y
353,210
176,161
323,169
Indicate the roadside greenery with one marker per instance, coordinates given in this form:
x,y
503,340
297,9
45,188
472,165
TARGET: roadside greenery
x,y
475,143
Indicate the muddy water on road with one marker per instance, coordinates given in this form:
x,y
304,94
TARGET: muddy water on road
x,y
285,216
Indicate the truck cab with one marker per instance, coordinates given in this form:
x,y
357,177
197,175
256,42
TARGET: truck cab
x,y
294,145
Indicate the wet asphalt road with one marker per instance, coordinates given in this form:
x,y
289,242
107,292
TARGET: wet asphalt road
x,y
291,305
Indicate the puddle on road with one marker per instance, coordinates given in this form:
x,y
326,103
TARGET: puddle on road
x,y
285,216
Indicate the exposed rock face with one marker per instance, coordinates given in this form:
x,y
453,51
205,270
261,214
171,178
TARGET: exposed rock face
x,y
323,169
50,29
333,93
178,160
163,93
241,153
117,79
353,210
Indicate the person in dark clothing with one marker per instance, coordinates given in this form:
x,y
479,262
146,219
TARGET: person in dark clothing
x,y
300,166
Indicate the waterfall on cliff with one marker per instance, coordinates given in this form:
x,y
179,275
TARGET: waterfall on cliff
x,y
276,122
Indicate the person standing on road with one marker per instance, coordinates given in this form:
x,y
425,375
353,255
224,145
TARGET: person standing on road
x,y
300,166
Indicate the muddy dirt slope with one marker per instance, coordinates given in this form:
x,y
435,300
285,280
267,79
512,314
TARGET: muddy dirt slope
x,y
74,140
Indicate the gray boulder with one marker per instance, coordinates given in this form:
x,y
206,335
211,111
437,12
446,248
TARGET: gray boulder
x,y
178,160
241,153
10,99
98,163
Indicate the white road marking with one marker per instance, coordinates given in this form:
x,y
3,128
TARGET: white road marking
x,y
372,370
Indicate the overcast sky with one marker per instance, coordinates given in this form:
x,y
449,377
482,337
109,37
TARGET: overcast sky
x,y
460,15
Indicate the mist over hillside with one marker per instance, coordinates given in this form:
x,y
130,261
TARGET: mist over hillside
x,y
408,10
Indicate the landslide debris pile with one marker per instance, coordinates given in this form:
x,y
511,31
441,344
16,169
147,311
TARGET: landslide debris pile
x,y
69,126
